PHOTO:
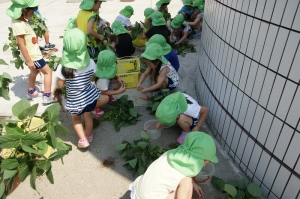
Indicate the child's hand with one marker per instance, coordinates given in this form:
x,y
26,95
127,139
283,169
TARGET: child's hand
x,y
138,87
198,190
122,88
144,91
159,125
30,65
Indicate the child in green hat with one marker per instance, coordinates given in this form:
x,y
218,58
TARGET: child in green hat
x,y
124,17
197,22
161,71
147,13
158,26
171,175
182,109
168,52
106,80
76,72
180,29
87,20
187,10
124,47
162,5
20,11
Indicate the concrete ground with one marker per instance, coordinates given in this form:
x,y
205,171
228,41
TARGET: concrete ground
x,y
83,175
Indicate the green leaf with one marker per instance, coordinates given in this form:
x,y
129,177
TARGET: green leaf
x,y
44,165
52,135
7,174
57,155
98,150
220,184
7,76
120,147
20,106
61,130
231,190
254,190
2,62
32,138
155,105
141,170
10,141
33,178
132,162
60,145
50,176
5,47
51,113
2,189
241,193
23,171
133,112
144,135
242,184
142,144
4,93
233,183
42,147
29,149
11,128
29,112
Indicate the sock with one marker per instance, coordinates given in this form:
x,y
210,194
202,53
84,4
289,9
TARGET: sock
x,y
47,94
30,91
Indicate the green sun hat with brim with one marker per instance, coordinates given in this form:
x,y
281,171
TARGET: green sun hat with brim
x,y
148,12
161,40
178,21
187,2
106,65
199,4
75,53
189,157
153,52
88,4
127,11
170,107
15,10
160,2
158,19
118,28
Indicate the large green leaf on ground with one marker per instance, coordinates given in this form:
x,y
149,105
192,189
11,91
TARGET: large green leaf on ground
x,y
120,147
231,190
254,189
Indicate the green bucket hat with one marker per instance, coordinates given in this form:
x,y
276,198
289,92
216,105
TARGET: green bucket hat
x,y
199,4
154,51
170,108
118,28
187,2
127,11
148,12
88,4
15,10
160,2
158,19
161,40
71,23
106,66
75,54
178,21
189,157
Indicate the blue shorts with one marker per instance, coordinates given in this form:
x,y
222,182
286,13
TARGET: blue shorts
x,y
170,85
89,107
39,63
194,123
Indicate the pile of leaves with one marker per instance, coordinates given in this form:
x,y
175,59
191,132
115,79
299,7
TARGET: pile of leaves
x,y
138,29
123,113
139,154
155,100
38,25
183,48
236,189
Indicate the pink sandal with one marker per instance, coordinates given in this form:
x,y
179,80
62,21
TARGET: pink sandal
x,y
181,138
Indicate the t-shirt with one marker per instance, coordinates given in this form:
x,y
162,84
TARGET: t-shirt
x,y
193,109
173,59
124,20
124,47
172,74
186,29
185,10
83,17
31,43
80,90
158,181
103,84
162,30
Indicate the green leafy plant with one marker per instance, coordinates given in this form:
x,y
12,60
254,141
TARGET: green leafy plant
x,y
5,79
138,29
155,100
122,114
38,25
236,189
166,14
26,145
139,154
53,62
183,48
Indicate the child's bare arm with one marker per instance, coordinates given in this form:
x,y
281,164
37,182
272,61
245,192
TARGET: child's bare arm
x,y
60,83
143,77
203,114
195,22
22,46
114,92
159,82
90,30
185,34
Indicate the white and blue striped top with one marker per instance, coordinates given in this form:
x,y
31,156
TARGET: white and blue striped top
x,y
80,90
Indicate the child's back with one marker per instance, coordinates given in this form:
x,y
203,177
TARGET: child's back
x,y
158,26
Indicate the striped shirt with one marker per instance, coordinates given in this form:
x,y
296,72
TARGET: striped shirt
x,y
80,90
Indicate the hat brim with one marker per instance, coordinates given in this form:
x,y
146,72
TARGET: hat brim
x,y
174,25
107,73
214,159
148,56
167,49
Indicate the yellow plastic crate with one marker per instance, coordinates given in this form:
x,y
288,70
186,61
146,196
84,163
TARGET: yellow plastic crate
x,y
131,79
128,65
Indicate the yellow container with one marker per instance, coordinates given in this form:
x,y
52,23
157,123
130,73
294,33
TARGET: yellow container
x,y
128,65
131,79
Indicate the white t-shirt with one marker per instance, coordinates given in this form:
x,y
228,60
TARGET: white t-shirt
x,y
124,20
186,29
193,109
103,84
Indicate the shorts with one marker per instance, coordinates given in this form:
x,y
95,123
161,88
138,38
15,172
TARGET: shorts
x,y
170,85
194,123
93,51
89,107
39,64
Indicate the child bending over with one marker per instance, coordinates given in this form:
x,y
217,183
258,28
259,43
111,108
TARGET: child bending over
x,y
180,29
187,10
124,17
197,22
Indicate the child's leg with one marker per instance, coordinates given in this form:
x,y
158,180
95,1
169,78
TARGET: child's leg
x,y
88,121
32,77
185,122
47,78
46,37
102,100
76,119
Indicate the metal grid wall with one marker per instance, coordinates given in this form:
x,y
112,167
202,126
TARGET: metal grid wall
x,y
249,72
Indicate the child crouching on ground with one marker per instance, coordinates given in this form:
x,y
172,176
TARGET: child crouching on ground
x,y
199,6
180,29
76,72
170,176
182,109
162,72
106,79
124,17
